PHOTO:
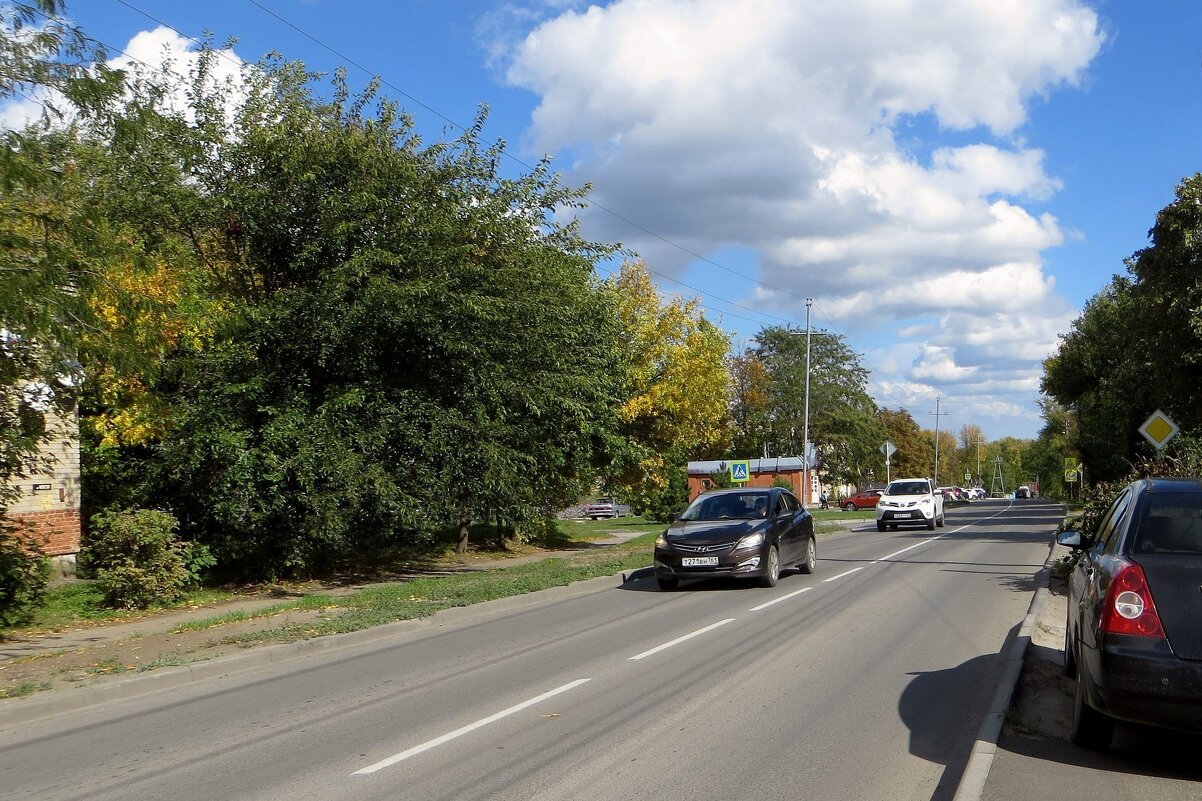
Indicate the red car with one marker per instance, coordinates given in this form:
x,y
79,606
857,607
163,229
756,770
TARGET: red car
x,y
864,500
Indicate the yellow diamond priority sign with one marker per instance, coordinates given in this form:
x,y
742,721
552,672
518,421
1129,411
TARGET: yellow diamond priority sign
x,y
1158,429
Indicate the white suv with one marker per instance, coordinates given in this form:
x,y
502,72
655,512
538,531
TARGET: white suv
x,y
909,501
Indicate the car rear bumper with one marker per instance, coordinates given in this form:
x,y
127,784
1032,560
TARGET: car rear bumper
x,y
1143,681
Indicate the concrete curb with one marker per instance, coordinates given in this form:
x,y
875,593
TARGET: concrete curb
x,y
55,702
976,772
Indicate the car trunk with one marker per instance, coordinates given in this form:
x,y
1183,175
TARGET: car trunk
x,y
1176,584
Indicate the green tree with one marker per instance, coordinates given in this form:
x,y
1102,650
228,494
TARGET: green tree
x,y
844,427
1138,344
677,393
391,338
751,410
46,235
915,454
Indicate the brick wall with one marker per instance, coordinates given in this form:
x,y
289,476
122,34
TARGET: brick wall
x,y
49,501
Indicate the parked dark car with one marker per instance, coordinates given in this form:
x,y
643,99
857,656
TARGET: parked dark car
x,y
1133,638
745,533
862,500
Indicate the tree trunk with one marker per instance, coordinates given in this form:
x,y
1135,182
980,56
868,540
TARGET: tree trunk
x,y
465,520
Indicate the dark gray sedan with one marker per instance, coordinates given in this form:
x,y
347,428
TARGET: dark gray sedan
x,y
744,533
1134,633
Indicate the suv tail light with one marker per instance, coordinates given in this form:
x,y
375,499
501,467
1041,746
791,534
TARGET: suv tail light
x,y
1128,607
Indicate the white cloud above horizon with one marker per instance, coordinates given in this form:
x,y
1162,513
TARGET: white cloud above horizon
x,y
870,154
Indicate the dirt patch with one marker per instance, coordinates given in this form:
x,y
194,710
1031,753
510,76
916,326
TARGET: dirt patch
x,y
1042,705
135,653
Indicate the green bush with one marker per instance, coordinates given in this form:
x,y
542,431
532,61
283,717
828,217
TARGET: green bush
x,y
24,573
137,559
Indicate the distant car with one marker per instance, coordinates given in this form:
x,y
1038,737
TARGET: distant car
x,y
1022,492
907,501
953,493
861,500
742,533
1133,638
977,494
605,507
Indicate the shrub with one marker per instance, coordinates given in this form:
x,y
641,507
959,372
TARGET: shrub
x,y
24,573
138,561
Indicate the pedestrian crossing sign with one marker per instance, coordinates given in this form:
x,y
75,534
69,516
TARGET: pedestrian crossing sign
x,y
740,472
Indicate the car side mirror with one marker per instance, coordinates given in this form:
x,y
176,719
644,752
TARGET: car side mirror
x,y
1071,539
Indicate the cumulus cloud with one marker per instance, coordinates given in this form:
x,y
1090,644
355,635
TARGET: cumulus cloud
x,y
161,54
799,131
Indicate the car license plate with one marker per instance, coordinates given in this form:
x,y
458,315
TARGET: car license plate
x,y
902,515
699,561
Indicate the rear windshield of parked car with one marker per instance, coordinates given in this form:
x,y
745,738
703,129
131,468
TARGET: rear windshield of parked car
x,y
1171,524
908,488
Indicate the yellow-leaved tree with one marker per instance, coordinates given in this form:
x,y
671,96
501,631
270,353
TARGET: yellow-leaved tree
x,y
677,400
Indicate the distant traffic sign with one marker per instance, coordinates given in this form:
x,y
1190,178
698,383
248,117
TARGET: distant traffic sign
x,y
740,472
1070,476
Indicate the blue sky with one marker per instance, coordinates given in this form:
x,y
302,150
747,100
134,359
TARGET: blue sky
x,y
950,181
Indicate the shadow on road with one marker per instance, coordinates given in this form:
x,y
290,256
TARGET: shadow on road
x,y
943,710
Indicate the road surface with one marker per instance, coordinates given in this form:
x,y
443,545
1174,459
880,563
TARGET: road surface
x,y
867,680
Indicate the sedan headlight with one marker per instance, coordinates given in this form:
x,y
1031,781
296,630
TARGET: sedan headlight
x,y
751,541
661,541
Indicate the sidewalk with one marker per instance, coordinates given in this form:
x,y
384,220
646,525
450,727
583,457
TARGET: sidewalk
x,y
1034,759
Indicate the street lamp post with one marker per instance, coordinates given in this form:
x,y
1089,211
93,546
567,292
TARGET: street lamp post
x,y
805,439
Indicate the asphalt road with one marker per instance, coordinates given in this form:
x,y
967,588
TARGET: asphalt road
x,y
867,680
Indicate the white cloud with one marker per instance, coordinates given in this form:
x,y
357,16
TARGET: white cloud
x,y
161,54
798,131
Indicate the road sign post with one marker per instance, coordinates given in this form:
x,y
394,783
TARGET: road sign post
x,y
888,449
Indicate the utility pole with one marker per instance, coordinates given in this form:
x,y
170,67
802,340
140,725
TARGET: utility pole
x,y
978,442
937,414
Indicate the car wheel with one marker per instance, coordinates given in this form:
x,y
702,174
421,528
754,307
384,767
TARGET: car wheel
x,y
667,584
849,507
880,526
931,524
811,561
1070,652
942,519
1091,728
772,571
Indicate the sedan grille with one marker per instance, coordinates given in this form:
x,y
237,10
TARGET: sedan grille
x,y
722,546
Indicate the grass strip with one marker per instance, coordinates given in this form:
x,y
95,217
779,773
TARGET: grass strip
x,y
423,597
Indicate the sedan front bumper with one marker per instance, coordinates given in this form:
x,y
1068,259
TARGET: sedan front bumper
x,y
745,563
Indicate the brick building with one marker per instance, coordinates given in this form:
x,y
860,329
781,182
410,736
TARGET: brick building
x,y
49,501
763,473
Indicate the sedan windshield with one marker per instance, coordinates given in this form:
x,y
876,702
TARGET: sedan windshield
x,y
908,488
728,506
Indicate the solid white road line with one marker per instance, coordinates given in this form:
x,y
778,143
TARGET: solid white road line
x,y
679,640
844,573
767,604
437,741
